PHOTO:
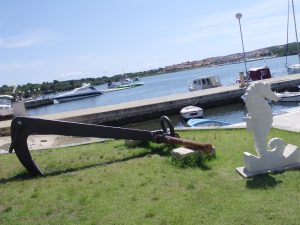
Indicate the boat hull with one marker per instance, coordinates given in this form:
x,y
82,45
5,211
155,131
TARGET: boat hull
x,y
293,69
289,97
67,98
206,123
125,86
6,112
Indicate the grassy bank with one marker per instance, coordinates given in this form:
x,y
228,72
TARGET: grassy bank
x,y
109,183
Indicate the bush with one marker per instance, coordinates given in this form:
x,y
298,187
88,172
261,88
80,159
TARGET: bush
x,y
193,160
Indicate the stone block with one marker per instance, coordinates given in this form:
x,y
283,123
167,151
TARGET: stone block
x,y
182,152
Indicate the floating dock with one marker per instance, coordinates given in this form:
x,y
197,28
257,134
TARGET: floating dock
x,y
168,105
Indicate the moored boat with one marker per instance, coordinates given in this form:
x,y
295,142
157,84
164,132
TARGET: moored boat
x,y
204,82
189,112
124,84
293,69
257,73
206,123
5,106
111,84
85,91
136,79
126,81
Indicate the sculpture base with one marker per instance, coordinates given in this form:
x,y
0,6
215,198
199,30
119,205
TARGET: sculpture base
x,y
280,158
247,174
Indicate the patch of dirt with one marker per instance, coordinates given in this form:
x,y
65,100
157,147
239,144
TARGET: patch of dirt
x,y
36,142
4,208
5,146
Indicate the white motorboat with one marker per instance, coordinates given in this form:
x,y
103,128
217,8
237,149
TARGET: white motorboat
x,y
136,79
111,84
289,96
126,81
124,86
5,106
204,82
85,91
295,68
189,112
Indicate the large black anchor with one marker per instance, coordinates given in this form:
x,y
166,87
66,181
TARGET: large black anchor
x,y
22,127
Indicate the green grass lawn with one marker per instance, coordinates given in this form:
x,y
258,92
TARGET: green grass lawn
x,y
109,183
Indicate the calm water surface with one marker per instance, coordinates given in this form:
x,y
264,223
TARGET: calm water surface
x,y
230,114
174,83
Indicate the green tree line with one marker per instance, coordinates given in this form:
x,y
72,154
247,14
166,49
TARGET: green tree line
x,y
283,50
33,90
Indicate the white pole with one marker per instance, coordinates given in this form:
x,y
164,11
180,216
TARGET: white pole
x,y
296,29
239,16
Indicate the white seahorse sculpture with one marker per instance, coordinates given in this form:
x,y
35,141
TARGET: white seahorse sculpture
x,y
278,156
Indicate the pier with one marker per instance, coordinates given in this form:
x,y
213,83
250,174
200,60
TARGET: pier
x,y
38,103
167,105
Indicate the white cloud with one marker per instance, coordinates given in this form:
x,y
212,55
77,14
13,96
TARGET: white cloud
x,y
30,39
21,72
21,66
74,75
266,19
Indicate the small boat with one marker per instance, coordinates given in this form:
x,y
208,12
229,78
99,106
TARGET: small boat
x,y
258,73
126,81
85,91
136,79
204,82
189,112
289,96
111,84
124,84
5,106
205,123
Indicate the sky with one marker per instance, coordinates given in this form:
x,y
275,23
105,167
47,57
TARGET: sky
x,y
42,41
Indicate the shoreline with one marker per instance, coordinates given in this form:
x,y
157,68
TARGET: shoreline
x,y
152,108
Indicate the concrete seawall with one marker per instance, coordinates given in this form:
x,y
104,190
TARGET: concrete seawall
x,y
38,102
153,108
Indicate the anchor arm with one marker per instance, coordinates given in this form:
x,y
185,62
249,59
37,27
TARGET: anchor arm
x,y
22,127
42,126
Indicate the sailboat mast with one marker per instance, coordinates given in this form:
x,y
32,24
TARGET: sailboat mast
x,y
296,30
287,34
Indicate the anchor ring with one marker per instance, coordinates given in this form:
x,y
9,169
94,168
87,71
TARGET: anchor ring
x,y
166,123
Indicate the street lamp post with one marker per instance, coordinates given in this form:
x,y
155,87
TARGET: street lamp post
x,y
239,16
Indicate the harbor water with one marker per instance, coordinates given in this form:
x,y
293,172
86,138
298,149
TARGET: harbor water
x,y
175,83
